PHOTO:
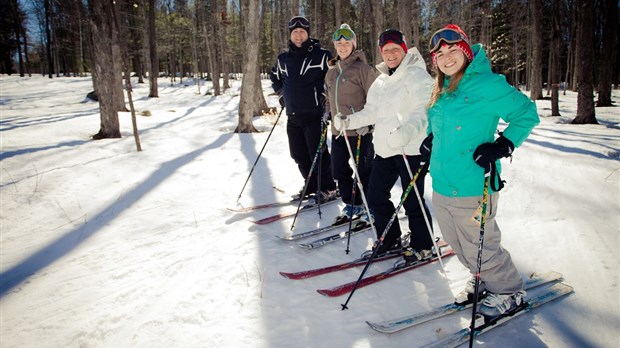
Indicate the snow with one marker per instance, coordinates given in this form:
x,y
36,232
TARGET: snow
x,y
104,246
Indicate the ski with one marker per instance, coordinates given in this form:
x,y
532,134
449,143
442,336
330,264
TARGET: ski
x,y
280,216
391,326
334,268
356,229
346,288
320,230
261,206
264,206
551,293
346,265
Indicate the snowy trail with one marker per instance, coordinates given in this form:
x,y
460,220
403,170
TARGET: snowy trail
x,y
101,246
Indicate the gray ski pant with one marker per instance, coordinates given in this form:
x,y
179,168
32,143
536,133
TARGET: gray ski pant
x,y
454,216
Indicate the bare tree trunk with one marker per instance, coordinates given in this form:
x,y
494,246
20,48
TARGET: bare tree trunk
x,y
554,56
154,61
585,45
103,34
211,39
48,36
486,22
293,9
121,33
609,51
225,50
28,71
377,11
136,38
405,21
577,48
536,59
251,93
337,13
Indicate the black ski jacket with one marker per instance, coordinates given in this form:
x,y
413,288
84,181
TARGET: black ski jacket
x,y
299,74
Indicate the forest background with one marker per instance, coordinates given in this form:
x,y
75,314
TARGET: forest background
x,y
543,46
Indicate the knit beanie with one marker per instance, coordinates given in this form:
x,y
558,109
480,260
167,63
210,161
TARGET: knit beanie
x,y
463,45
299,22
342,32
392,36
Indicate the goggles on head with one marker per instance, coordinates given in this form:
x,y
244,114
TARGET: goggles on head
x,y
345,33
298,22
391,35
447,35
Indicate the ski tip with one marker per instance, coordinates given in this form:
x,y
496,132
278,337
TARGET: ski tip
x,y
284,237
305,246
378,327
286,275
547,275
323,292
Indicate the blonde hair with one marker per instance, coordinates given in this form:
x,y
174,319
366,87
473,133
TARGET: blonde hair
x,y
440,78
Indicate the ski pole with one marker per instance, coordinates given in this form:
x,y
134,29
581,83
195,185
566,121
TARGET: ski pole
x,y
426,219
318,173
259,154
353,191
483,213
385,231
316,156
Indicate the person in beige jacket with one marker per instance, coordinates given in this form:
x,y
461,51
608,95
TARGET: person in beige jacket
x,y
347,82
396,105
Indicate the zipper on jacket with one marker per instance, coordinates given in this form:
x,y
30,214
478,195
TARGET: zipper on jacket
x,y
338,63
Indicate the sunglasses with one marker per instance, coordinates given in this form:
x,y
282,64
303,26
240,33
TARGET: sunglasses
x,y
345,33
298,22
391,35
448,36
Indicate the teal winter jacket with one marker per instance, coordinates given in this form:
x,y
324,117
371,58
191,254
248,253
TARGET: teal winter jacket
x,y
462,120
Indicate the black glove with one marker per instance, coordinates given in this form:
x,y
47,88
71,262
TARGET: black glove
x,y
281,100
426,147
487,153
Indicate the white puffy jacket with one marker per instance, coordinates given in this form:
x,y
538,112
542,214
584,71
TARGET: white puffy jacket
x,y
397,100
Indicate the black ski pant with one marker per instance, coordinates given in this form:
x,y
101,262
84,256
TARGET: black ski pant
x,y
303,142
385,172
343,173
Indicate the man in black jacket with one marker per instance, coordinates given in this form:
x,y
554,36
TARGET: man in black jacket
x,y
298,77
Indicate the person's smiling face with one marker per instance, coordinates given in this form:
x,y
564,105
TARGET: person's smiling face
x,y
392,55
299,36
450,59
344,48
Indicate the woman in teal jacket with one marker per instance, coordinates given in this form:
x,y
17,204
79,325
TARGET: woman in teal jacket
x,y
466,106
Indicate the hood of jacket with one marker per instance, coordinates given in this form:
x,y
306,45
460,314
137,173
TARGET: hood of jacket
x,y
348,81
306,47
462,120
397,100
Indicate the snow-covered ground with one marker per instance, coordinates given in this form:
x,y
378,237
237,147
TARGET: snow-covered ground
x,y
103,246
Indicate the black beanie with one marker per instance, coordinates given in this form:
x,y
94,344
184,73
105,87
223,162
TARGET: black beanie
x,y
299,22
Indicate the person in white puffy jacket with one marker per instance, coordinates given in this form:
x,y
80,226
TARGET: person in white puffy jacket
x,y
396,104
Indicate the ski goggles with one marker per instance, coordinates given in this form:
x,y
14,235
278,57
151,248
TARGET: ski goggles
x,y
345,33
298,22
391,35
446,35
